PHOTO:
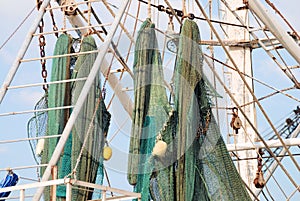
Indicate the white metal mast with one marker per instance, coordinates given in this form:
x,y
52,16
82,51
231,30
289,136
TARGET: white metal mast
x,y
242,57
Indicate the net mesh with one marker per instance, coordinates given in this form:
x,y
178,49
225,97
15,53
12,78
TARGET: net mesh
x,y
53,122
92,151
196,165
37,126
151,110
58,96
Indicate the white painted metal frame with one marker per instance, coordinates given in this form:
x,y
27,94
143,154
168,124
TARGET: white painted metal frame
x,y
69,183
270,143
23,50
282,36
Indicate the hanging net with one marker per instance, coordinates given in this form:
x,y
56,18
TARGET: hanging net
x,y
151,111
91,124
58,96
37,127
196,164
203,159
90,161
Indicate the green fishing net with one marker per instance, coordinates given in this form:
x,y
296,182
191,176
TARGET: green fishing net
x,y
150,112
92,123
89,167
196,165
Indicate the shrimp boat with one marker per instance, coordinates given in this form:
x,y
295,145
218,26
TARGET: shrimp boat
x,y
150,100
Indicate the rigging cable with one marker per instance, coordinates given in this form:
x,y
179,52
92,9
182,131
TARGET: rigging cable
x,y
261,82
254,97
284,19
129,48
18,27
285,70
267,189
179,13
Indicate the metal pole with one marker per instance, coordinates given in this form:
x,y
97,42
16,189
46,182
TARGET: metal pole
x,y
81,99
117,87
23,49
269,19
22,195
103,195
270,144
242,59
69,190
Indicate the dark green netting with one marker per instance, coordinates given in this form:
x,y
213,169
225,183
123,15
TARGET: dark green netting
x,y
197,165
58,96
187,76
203,159
151,110
90,166
92,152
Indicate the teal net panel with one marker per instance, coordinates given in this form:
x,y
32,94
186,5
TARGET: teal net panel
x,y
196,165
151,111
58,96
94,115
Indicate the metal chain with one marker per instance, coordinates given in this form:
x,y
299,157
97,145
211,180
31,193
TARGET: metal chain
x,y
53,21
201,130
42,44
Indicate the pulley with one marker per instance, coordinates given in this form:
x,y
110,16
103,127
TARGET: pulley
x,y
236,122
259,181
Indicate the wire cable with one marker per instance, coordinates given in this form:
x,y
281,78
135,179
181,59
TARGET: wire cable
x,y
18,27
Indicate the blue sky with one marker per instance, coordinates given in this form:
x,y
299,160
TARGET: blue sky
x,y
14,126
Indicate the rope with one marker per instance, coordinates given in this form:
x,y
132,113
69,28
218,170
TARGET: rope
x,y
285,70
254,97
114,50
115,55
129,48
149,9
117,131
18,27
91,126
269,193
184,7
284,19
108,181
261,82
121,24
255,130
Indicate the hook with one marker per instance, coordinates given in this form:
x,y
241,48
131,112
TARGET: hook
x,y
235,111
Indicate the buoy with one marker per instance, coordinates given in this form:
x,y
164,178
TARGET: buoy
x,y
107,153
40,147
159,148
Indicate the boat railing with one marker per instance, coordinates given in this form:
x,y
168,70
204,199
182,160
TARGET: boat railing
x,y
107,193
